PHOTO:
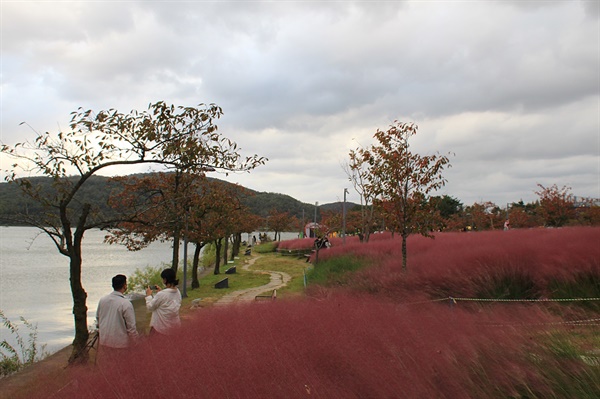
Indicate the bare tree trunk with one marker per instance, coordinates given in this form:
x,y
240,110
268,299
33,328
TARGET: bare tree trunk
x,y
175,261
79,312
237,242
404,237
225,251
217,256
195,264
78,355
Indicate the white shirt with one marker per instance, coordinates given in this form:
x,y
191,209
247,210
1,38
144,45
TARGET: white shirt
x,y
165,309
116,320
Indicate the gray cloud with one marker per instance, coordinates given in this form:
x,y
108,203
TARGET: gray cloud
x,y
512,88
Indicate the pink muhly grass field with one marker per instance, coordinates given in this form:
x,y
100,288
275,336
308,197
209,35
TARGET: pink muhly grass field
x,y
379,334
465,264
342,347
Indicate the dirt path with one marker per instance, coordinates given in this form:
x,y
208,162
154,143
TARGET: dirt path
x,y
278,280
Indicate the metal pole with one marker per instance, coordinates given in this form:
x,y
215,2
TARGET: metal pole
x,y
316,205
185,246
344,218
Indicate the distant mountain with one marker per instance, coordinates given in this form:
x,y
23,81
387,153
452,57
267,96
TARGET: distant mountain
x,y
97,189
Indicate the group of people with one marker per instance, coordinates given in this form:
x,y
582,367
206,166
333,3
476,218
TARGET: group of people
x,y
115,315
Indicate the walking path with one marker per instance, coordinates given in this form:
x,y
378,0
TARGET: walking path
x,y
278,280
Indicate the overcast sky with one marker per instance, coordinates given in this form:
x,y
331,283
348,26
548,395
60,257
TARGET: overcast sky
x,y
511,88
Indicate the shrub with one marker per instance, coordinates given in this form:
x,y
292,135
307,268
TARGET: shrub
x,y
142,278
334,270
266,247
209,255
14,359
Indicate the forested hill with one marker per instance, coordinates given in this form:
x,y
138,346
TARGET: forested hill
x,y
98,188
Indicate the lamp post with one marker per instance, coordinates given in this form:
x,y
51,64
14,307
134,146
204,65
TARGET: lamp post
x,y
185,255
344,218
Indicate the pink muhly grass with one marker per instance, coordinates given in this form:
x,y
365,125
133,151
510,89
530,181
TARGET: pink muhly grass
x,y
468,264
342,347
297,244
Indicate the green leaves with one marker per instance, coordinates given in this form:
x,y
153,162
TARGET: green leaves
x,y
13,358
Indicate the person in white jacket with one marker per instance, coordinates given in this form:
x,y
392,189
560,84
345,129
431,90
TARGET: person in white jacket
x,y
164,305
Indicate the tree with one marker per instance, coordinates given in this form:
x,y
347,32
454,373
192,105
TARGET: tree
x,y
161,203
556,205
403,179
447,209
278,222
225,216
359,175
181,138
485,216
523,215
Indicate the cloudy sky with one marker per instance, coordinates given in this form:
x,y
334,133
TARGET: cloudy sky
x,y
511,88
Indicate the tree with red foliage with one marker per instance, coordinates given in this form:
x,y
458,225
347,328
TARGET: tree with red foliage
x,y
162,204
403,179
226,217
556,205
588,214
332,219
485,216
181,138
278,222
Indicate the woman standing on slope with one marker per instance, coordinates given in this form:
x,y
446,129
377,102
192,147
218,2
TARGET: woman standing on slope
x,y
165,304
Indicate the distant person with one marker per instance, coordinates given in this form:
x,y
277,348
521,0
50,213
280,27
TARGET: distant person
x,y
322,242
506,225
115,317
165,304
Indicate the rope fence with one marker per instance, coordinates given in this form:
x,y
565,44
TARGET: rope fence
x,y
453,299
587,322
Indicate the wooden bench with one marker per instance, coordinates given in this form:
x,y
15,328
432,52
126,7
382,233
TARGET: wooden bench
x,y
223,283
307,256
273,296
298,253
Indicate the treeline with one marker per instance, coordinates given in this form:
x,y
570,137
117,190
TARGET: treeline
x,y
554,208
98,189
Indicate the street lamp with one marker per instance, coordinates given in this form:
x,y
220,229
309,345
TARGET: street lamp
x,y
344,218
185,255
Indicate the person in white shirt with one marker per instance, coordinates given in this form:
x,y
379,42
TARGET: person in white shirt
x,y
165,304
115,317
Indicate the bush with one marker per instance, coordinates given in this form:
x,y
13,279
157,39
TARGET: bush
x,y
14,359
142,278
266,247
334,270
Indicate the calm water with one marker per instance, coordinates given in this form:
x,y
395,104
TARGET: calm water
x,y
34,280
